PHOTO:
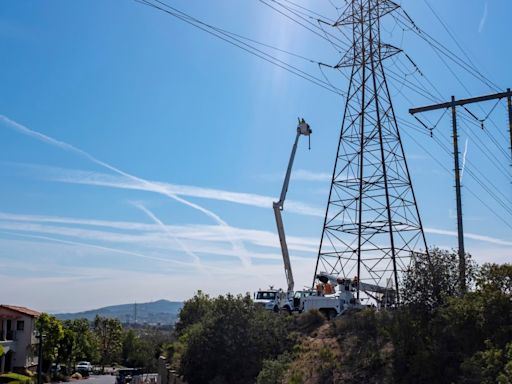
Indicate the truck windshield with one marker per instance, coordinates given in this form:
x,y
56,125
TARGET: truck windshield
x,y
266,296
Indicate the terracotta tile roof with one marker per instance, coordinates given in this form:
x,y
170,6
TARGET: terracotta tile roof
x,y
24,310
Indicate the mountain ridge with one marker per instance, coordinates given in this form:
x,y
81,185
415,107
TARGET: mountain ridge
x,y
156,312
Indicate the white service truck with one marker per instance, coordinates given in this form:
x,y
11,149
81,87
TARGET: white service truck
x,y
329,301
273,299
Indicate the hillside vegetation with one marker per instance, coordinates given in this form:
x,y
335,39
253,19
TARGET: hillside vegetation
x,y
156,312
437,336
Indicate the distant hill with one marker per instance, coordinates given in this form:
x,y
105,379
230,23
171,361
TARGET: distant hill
x,y
156,312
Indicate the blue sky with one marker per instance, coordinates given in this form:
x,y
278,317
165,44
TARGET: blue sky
x,y
163,146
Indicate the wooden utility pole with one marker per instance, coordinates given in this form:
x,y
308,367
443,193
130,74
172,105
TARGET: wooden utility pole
x,y
453,104
458,198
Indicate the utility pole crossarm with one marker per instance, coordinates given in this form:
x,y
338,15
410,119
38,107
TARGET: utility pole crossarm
x,y
455,103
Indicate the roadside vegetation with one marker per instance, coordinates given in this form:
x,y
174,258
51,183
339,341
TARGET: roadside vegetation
x,y
439,335
103,342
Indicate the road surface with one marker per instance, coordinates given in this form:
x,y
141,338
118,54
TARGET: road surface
x,y
100,379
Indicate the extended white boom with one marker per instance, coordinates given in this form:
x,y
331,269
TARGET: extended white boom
x,y
302,129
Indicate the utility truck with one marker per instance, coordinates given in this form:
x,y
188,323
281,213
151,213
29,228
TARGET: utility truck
x,y
281,300
332,295
272,299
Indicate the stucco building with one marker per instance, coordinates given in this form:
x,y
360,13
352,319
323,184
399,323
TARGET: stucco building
x,y
18,338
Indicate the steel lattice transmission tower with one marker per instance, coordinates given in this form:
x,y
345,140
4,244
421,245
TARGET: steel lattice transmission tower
x,y
372,225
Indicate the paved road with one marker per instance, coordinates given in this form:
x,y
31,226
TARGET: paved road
x,y
100,379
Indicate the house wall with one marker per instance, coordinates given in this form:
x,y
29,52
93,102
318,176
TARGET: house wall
x,y
17,335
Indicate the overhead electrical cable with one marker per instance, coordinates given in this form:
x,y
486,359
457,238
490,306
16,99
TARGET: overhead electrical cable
x,y
238,42
441,48
452,36
475,195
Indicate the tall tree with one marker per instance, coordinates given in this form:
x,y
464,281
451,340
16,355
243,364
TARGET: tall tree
x,y
78,343
109,334
53,334
229,342
429,282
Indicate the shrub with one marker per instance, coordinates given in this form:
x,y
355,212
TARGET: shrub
x,y
273,370
309,321
15,377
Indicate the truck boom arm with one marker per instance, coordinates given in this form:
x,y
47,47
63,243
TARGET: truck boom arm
x,y
302,129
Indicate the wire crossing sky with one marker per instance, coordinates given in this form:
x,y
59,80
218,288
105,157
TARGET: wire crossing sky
x,y
190,109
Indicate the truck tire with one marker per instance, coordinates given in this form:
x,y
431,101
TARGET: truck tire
x,y
286,310
324,312
328,313
276,309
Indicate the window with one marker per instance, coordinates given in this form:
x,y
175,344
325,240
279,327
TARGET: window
x,y
20,325
266,296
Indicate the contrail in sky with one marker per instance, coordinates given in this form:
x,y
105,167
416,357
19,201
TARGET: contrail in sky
x,y
484,18
244,255
103,248
197,260
464,159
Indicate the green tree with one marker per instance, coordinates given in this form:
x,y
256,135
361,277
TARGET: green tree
x,y
495,277
492,365
230,340
143,347
431,279
193,311
273,370
78,343
109,334
53,333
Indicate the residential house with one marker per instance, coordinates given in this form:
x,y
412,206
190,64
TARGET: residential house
x,y
18,338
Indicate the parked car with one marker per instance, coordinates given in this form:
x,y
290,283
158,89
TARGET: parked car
x,y
84,367
125,375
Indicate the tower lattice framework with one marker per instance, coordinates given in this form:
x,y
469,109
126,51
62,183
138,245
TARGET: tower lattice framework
x,y
372,225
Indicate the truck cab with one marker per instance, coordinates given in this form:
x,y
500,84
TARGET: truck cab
x,y
272,299
298,299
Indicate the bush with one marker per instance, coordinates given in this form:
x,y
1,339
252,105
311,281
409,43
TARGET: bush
x,y
15,377
273,370
308,321
60,377
229,340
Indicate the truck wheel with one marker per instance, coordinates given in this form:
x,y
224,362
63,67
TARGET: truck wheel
x,y
286,310
325,313
276,309
329,314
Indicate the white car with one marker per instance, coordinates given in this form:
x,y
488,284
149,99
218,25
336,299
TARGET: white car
x,y
84,366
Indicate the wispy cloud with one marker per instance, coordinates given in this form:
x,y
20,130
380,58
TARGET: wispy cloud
x,y
473,236
74,176
199,238
197,260
95,246
305,175
148,184
236,236
483,20
300,175
464,154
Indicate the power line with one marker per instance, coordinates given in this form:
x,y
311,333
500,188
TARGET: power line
x,y
301,23
232,39
436,159
442,49
457,43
